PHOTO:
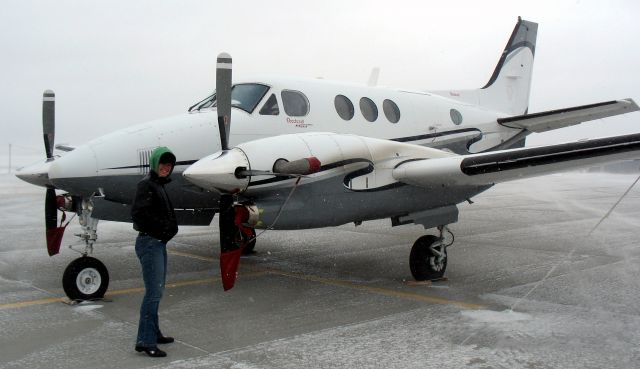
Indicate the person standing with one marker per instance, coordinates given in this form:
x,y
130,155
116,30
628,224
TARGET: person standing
x,y
155,220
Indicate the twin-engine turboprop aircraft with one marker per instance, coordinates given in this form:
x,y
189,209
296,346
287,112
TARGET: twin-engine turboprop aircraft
x,y
351,153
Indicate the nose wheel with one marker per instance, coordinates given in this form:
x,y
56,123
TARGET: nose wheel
x,y
85,278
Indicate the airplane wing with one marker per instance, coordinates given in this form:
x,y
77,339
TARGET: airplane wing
x,y
554,119
506,165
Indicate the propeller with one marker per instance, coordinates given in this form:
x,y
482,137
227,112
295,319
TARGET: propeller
x,y
229,249
232,239
53,232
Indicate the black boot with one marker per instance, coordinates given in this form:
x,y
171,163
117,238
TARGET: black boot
x,y
162,340
151,351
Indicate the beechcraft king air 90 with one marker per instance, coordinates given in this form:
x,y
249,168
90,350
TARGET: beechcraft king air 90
x,y
351,153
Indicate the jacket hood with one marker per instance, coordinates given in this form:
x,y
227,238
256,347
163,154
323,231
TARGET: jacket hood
x,y
163,153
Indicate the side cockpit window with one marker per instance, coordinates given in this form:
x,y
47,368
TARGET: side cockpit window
x,y
207,102
295,103
271,106
245,96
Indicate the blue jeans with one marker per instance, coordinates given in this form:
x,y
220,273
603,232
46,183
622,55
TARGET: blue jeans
x,y
152,254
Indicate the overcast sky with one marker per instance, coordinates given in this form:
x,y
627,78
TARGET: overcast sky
x,y
117,63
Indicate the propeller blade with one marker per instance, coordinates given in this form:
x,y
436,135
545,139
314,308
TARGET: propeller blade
x,y
53,233
49,121
223,97
229,248
50,209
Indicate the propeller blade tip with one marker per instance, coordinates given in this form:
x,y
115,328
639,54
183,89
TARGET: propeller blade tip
x,y
224,61
48,95
224,55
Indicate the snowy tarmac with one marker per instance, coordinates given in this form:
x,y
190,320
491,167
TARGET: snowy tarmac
x,y
341,298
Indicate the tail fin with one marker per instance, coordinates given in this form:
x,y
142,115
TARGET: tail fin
x,y
509,86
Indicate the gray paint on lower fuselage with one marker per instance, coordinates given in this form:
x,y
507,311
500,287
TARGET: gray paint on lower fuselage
x,y
119,212
321,204
122,189
328,203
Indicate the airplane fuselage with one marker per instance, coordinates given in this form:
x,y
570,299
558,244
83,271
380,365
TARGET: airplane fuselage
x,y
111,165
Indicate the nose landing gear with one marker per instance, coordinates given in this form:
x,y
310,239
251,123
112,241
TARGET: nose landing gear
x,y
86,278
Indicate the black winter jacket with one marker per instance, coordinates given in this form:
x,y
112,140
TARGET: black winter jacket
x,y
152,211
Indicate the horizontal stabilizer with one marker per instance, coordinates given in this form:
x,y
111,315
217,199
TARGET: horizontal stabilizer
x,y
501,166
554,119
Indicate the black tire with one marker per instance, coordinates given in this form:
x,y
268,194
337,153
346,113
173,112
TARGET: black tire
x,y
85,278
423,263
248,250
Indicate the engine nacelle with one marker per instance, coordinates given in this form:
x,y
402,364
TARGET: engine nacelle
x,y
363,162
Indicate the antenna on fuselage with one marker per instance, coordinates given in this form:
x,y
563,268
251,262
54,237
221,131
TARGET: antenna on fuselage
x,y
373,77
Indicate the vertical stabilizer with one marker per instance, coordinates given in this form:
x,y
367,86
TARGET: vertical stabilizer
x,y
509,86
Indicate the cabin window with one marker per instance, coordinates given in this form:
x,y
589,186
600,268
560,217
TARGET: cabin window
x,y
391,111
245,96
271,106
344,107
456,117
295,103
369,109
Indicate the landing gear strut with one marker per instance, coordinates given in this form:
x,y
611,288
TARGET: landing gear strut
x,y
86,278
428,258
249,249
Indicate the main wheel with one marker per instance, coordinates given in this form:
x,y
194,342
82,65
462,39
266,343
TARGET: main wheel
x,y
426,264
85,278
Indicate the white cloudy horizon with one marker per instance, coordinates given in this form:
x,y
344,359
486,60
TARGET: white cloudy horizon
x,y
120,63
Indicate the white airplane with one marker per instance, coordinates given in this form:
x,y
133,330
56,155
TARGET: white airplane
x,y
351,153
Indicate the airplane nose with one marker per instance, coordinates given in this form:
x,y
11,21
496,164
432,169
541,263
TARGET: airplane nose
x,y
218,171
79,163
36,174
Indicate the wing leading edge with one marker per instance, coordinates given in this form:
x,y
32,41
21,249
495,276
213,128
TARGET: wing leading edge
x,y
554,119
501,166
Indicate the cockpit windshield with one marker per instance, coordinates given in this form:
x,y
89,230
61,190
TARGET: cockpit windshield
x,y
245,96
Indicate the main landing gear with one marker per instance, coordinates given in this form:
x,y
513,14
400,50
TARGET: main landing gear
x,y
86,278
428,258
